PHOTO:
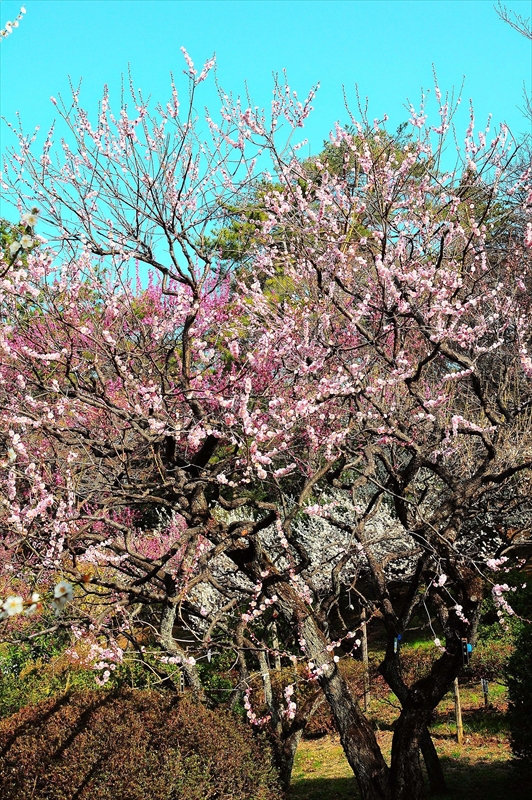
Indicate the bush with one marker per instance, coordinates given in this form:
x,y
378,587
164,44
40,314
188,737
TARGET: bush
x,y
131,745
488,659
44,668
519,679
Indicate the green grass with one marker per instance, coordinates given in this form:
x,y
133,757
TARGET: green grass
x,y
321,772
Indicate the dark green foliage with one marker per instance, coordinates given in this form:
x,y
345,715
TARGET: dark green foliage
x,y
216,677
131,745
519,679
518,675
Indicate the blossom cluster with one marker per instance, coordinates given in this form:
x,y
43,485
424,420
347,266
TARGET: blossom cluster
x,y
259,722
291,706
10,26
15,604
501,603
103,659
28,220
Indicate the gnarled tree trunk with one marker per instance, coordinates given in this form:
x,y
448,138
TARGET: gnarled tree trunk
x,y
356,734
358,739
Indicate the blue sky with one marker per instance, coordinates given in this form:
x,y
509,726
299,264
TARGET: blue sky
x,y
387,47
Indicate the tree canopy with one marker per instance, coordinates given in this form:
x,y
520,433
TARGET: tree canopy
x,y
234,442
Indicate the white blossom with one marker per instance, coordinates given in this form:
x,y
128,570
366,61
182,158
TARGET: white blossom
x,y
64,591
13,605
30,218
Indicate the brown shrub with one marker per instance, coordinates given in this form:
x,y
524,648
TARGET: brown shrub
x,y
131,745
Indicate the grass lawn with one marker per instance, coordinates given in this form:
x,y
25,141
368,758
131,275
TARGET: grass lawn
x,y
480,769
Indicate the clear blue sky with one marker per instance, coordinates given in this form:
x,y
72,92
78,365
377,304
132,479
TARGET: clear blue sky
x,y
387,47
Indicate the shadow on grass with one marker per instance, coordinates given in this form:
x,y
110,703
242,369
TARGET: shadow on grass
x,y
490,780
324,789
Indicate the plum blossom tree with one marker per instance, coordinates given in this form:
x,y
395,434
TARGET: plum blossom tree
x,y
215,451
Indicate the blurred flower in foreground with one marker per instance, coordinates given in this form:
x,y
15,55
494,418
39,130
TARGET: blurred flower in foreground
x,y
30,217
13,605
63,594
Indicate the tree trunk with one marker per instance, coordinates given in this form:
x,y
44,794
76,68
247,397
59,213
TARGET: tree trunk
x,y
358,739
284,751
275,645
426,745
169,643
356,734
406,774
238,692
365,659
418,702
285,737
432,763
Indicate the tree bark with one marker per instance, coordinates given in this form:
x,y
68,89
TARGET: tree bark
x,y
432,763
285,737
169,643
284,750
406,774
365,658
356,734
390,671
358,739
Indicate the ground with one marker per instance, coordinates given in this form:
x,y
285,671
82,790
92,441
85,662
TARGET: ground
x,y
480,769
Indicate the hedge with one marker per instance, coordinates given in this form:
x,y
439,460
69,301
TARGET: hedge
x,y
131,745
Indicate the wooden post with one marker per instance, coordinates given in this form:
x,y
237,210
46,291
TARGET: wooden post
x,y
458,713
484,683
365,659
